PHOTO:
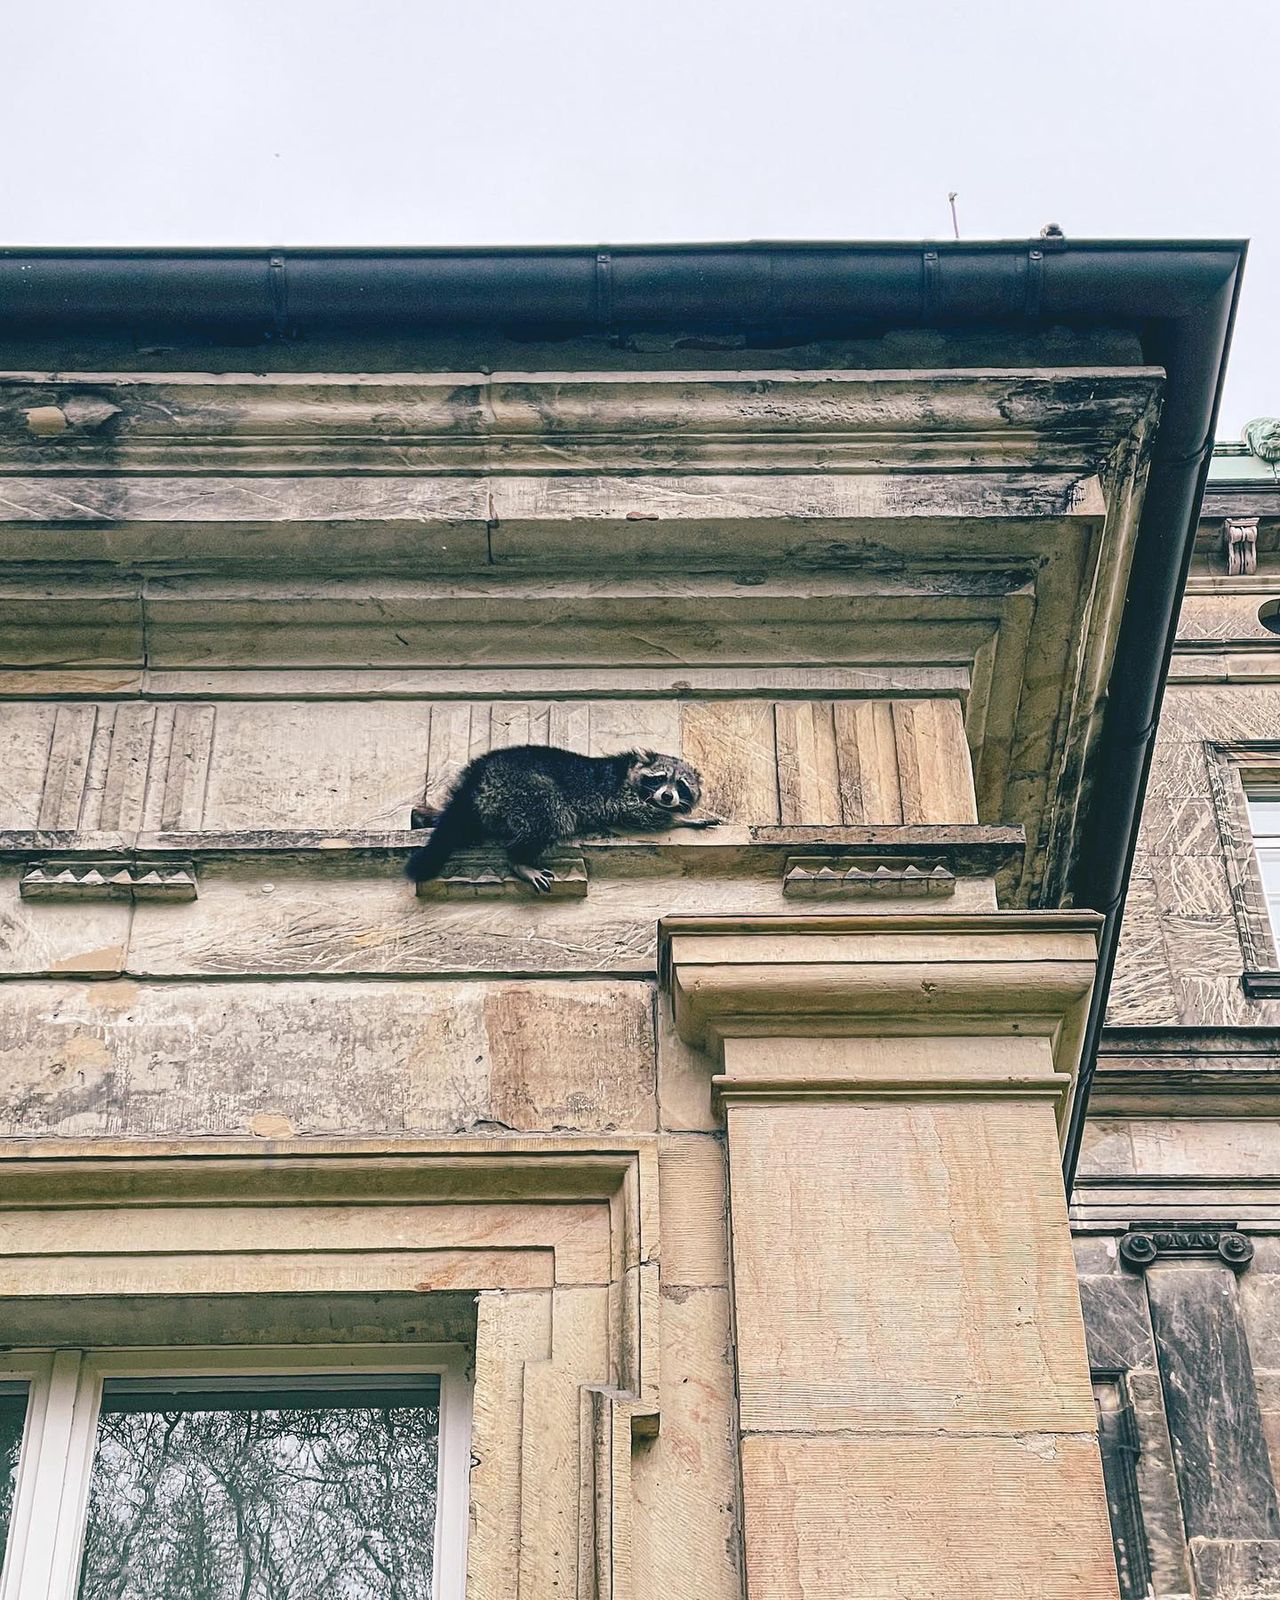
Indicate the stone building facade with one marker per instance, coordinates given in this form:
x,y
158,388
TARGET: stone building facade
x,y
699,1228
1176,1207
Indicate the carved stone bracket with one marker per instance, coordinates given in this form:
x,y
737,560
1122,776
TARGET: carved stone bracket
x,y
127,881
486,877
1141,1247
1262,435
1240,546
840,878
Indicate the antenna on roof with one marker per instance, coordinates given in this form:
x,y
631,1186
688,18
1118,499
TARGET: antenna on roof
x,y
955,223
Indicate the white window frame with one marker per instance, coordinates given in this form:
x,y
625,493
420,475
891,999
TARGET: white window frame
x,y
1266,850
50,1501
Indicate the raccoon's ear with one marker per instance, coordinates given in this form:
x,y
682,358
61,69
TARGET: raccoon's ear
x,y
644,757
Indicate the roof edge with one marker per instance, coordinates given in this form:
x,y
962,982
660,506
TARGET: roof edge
x,y
278,293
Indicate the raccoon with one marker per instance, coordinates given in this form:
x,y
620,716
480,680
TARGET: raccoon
x,y
529,797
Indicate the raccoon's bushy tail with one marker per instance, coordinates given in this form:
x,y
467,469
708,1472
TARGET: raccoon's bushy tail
x,y
450,833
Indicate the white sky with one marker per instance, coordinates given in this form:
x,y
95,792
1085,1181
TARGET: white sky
x,y
293,122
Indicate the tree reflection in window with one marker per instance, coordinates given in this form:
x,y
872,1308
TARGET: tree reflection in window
x,y
13,1416
307,1493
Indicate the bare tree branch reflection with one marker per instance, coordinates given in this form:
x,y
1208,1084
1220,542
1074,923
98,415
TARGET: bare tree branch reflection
x,y
298,1503
13,1416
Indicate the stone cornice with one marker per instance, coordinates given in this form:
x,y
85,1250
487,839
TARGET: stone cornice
x,y
512,422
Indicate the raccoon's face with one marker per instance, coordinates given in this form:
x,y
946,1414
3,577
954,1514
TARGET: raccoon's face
x,y
667,781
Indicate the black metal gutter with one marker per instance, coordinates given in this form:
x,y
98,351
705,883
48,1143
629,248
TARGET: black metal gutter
x,y
300,293
1179,298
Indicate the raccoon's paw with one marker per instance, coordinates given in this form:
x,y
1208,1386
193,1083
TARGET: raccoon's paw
x,y
708,821
538,878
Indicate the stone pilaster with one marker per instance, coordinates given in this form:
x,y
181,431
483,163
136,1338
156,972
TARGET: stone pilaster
x,y
915,1405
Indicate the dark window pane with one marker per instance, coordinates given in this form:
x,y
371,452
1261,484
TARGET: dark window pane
x,y
299,1493
13,1416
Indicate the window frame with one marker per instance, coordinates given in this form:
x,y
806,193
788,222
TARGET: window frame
x,y
51,1495
1120,1446
35,1369
1238,770
1269,793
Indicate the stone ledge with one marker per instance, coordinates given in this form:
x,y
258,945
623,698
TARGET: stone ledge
x,y
963,849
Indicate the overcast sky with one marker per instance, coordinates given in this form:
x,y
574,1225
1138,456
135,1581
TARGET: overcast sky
x,y
294,122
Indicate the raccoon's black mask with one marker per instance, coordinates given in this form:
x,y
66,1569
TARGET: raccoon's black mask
x,y
666,781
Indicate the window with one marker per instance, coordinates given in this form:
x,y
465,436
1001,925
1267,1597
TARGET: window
x,y
234,1474
1264,823
13,1421
1118,1442
1244,780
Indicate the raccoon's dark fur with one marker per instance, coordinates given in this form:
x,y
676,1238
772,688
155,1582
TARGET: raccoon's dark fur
x,y
528,797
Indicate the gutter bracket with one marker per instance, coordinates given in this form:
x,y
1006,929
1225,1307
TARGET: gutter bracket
x,y
278,294
932,282
1034,283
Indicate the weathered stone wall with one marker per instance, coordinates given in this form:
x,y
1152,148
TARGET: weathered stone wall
x,y
257,620
1185,1129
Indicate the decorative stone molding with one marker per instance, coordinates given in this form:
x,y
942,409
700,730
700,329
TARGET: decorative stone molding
x,y
512,422
737,984
1262,435
1240,546
729,1087
840,878
128,881
1188,1072
1028,973
1140,1247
